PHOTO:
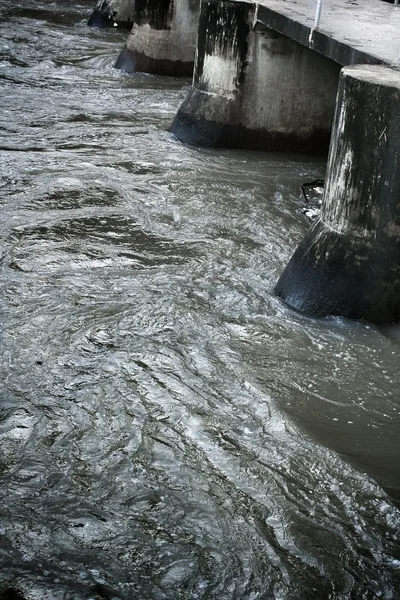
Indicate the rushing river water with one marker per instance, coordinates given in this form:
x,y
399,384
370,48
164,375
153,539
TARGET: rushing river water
x,y
169,429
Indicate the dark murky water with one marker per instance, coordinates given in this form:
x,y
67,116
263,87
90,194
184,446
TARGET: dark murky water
x,y
169,430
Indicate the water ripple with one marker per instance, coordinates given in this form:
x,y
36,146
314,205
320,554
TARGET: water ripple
x,y
168,429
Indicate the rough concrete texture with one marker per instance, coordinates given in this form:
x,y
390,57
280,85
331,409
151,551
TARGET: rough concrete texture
x,y
350,31
113,13
349,263
254,88
163,37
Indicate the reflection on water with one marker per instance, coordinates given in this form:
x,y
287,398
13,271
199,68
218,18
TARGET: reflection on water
x,y
169,430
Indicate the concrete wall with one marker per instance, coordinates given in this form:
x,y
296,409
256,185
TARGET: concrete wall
x,y
163,38
254,88
113,13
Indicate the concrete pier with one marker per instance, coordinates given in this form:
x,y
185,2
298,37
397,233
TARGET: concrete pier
x,y
349,263
113,13
255,88
266,79
163,38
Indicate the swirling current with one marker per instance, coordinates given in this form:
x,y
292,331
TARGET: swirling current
x,y
169,429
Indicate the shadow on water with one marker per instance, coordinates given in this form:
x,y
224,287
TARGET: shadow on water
x,y
100,234
11,594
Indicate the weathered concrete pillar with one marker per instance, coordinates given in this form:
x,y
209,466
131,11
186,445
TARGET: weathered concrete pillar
x,y
255,88
349,263
163,38
113,13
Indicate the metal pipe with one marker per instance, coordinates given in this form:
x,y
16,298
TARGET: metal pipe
x,y
318,13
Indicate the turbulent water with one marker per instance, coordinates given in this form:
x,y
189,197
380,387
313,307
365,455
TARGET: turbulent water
x,y
169,429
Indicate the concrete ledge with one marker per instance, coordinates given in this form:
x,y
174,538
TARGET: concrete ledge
x,y
365,32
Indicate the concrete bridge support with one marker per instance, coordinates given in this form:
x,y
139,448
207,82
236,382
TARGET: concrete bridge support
x,y
349,263
254,88
113,13
163,38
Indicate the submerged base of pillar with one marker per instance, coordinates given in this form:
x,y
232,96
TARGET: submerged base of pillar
x,y
112,13
131,61
101,20
337,274
191,127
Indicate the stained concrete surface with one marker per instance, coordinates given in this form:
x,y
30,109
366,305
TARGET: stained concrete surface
x,y
350,31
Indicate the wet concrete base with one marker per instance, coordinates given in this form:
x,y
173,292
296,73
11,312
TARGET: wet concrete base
x,y
193,129
131,61
335,274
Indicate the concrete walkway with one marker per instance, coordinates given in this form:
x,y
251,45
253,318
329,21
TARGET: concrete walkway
x,y
350,31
